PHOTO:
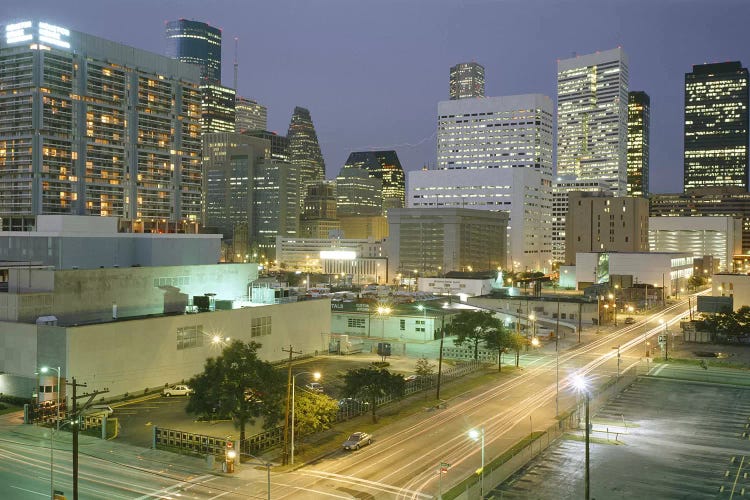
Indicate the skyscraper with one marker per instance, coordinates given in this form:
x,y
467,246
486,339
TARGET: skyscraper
x,y
592,118
104,129
249,115
358,193
639,118
304,149
495,153
716,126
386,166
217,113
196,43
467,80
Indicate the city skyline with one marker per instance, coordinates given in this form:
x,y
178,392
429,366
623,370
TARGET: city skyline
x,y
297,58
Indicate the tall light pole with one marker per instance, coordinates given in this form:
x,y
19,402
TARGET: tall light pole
x,y
422,308
613,298
666,338
46,369
618,360
479,435
316,376
579,382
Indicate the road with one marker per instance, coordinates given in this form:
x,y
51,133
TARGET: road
x,y
401,463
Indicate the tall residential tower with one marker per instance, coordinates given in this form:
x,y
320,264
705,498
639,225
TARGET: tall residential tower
x,y
716,127
95,127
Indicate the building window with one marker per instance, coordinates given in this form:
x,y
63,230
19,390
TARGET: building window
x,y
260,326
189,337
355,322
402,324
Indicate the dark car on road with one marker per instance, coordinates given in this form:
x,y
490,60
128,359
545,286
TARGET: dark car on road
x,y
357,440
629,320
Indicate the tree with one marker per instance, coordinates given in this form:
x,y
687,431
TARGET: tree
x,y
696,281
313,412
424,368
516,342
240,385
498,339
471,327
370,384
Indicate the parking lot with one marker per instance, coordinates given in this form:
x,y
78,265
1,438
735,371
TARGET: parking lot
x,y
681,440
137,419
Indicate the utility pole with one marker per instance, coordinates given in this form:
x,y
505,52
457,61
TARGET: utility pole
x,y
440,355
292,352
75,425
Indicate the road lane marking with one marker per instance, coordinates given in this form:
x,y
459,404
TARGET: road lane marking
x,y
31,491
661,367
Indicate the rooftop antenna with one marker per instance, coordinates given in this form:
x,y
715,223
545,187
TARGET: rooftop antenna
x,y
236,40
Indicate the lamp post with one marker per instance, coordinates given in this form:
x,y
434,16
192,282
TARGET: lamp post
x,y
46,369
383,311
666,338
613,298
316,376
479,435
423,308
579,382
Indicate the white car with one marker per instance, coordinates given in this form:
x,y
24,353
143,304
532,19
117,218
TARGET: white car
x,y
314,387
177,390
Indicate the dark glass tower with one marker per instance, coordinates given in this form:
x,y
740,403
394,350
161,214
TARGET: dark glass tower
x,y
383,165
304,149
467,80
639,116
716,127
197,43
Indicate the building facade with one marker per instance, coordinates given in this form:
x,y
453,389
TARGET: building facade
x,y
432,241
217,109
716,127
385,166
97,128
196,43
709,202
304,149
592,117
275,204
466,80
249,115
600,223
363,227
719,237
358,193
639,131
561,189
304,254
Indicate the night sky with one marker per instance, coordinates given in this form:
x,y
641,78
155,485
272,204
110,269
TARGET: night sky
x,y
372,71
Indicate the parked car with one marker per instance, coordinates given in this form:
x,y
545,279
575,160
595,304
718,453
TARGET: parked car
x,y
177,390
314,387
411,377
629,320
351,404
357,440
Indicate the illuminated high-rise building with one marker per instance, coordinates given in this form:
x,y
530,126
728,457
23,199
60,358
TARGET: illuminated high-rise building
x,y
592,118
249,115
716,127
304,149
639,118
96,128
495,153
358,193
218,113
467,80
383,165
196,43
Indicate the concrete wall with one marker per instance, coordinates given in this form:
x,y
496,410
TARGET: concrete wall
x,y
128,356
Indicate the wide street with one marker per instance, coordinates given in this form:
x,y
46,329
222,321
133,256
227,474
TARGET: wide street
x,y
402,461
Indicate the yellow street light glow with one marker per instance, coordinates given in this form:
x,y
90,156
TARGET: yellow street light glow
x,y
579,382
535,342
316,375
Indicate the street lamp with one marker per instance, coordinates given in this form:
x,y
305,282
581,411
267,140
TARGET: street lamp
x,y
613,298
479,435
383,311
316,376
579,382
666,338
531,318
46,369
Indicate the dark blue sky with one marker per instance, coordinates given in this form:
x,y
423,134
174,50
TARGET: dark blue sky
x,y
372,71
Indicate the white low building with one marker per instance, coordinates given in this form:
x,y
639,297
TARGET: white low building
x,y
669,270
720,237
